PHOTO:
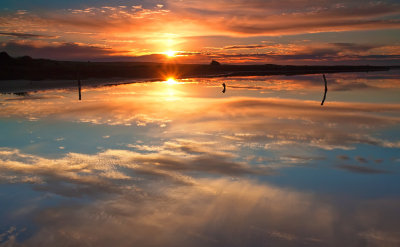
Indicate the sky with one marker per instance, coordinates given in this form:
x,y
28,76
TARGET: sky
x,y
325,32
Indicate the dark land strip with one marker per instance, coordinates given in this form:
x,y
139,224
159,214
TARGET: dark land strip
x,y
26,68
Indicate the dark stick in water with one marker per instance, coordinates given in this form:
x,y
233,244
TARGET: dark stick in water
x,y
79,88
79,82
223,84
326,89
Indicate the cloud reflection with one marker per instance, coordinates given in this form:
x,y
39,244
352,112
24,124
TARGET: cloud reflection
x,y
271,123
208,211
201,182
79,174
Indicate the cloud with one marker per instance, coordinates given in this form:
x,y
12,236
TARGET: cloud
x,y
266,18
361,169
62,51
298,159
27,35
355,47
235,47
141,31
297,56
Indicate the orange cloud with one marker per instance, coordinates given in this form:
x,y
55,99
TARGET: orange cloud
x,y
134,30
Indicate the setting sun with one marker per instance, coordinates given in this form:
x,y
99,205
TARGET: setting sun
x,y
171,80
170,53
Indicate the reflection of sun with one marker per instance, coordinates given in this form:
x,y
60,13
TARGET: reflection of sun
x,y
170,53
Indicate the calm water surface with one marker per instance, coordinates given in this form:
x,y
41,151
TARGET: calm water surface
x,y
180,163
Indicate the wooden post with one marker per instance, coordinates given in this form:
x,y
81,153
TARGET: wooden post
x,y
326,89
79,88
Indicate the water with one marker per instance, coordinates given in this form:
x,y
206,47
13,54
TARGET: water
x,y
180,163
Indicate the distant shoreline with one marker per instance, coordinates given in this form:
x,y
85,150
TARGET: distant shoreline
x,y
26,68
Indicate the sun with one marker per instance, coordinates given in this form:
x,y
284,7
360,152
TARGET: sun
x,y
170,53
171,80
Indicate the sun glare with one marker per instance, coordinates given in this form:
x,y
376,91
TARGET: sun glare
x,y
171,80
170,53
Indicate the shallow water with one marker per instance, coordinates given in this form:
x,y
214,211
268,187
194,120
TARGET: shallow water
x,y
180,163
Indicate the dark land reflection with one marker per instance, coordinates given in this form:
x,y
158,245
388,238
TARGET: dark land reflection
x,y
178,163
